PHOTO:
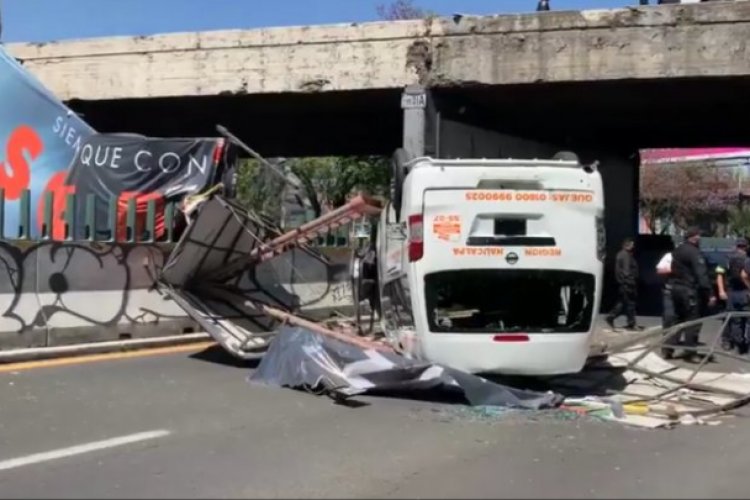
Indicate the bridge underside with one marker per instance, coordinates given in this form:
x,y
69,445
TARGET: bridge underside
x,y
617,116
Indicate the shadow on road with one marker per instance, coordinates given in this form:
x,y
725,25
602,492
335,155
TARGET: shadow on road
x,y
601,380
217,354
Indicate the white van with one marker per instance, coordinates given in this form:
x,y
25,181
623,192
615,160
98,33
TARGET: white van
x,y
493,266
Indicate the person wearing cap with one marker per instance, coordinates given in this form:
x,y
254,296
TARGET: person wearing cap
x,y
733,283
691,287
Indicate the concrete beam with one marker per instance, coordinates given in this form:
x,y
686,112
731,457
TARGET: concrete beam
x,y
698,40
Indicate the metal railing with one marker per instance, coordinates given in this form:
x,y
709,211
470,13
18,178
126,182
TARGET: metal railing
x,y
133,230
134,227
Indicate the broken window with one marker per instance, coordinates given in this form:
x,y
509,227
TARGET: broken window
x,y
497,300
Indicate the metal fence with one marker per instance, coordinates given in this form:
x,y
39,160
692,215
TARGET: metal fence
x,y
130,232
135,228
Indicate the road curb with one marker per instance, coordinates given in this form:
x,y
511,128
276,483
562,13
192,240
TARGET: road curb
x,y
42,353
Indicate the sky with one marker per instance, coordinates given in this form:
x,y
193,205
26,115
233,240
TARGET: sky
x,y
47,20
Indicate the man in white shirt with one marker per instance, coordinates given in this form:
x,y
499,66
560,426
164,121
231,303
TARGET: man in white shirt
x,y
664,267
664,270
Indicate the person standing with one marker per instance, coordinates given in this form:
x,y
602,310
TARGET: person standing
x,y
664,271
542,6
691,287
626,276
733,285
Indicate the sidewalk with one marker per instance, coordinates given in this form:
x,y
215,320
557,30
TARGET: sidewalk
x,y
605,335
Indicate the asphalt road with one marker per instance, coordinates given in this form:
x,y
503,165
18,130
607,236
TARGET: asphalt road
x,y
213,434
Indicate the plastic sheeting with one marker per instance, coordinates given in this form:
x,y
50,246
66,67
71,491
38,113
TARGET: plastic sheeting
x,y
302,359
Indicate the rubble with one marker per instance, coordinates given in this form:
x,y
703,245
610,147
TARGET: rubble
x,y
631,384
222,273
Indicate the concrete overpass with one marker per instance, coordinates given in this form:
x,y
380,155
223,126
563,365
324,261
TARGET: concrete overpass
x,y
646,76
602,83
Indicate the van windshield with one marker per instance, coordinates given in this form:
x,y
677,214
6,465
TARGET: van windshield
x,y
498,300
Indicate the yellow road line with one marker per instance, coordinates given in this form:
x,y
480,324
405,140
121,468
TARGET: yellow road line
x,y
110,356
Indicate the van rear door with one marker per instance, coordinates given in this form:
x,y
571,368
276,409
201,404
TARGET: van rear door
x,y
519,228
509,260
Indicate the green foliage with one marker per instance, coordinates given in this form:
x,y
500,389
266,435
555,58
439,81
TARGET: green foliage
x,y
258,189
739,220
327,182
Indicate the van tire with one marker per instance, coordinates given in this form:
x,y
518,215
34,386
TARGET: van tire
x,y
398,160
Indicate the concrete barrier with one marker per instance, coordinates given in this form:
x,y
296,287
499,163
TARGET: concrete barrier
x,y
56,293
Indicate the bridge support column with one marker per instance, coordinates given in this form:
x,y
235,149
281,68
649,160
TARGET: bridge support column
x,y
414,105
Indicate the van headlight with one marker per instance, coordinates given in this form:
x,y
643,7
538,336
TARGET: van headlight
x,y
601,239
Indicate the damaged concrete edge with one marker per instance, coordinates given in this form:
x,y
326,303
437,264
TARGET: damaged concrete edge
x,y
632,17
41,353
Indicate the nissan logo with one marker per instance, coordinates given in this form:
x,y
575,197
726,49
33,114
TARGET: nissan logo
x,y
512,258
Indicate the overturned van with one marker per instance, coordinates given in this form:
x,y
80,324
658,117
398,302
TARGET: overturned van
x,y
493,265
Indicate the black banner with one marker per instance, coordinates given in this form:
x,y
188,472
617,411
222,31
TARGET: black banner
x,y
123,167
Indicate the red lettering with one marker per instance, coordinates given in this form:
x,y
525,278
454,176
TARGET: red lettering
x,y
141,209
23,140
56,185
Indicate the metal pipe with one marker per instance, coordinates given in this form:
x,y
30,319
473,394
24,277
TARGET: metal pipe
x,y
358,206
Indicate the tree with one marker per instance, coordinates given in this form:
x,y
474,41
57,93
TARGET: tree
x,y
258,189
686,195
738,221
327,182
401,9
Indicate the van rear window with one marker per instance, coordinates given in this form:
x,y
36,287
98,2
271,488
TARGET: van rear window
x,y
501,300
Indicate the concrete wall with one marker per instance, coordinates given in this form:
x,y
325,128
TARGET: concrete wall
x,y
54,293
463,140
620,176
706,39
57,293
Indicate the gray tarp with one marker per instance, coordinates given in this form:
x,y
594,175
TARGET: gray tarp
x,y
301,358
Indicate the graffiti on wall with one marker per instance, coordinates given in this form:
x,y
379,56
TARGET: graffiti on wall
x,y
63,284
54,286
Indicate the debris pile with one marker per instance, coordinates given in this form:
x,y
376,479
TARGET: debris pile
x,y
634,385
225,273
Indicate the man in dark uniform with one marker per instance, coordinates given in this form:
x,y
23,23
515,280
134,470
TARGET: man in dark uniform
x,y
734,288
691,287
626,276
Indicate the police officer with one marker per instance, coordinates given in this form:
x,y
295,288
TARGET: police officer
x,y
734,289
626,276
691,287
